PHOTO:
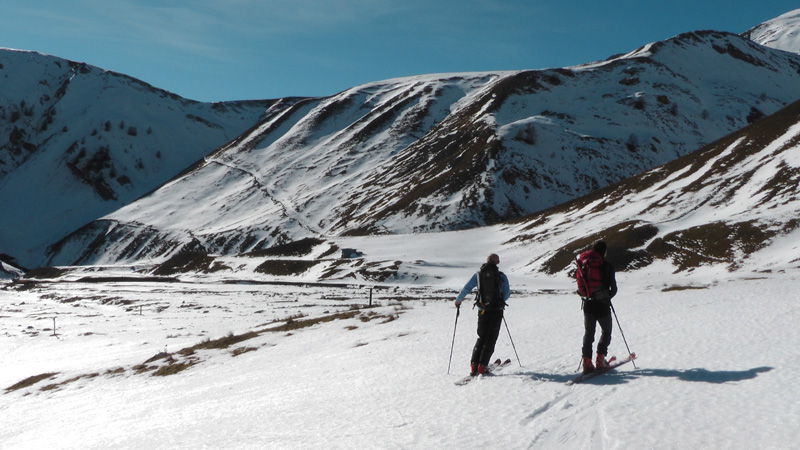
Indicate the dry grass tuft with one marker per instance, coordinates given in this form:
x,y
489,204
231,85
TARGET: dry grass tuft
x,y
54,386
173,368
295,248
240,350
185,262
285,267
221,343
30,381
711,243
682,288
164,364
292,324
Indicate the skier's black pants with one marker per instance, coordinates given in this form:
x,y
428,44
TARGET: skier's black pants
x,y
489,323
591,317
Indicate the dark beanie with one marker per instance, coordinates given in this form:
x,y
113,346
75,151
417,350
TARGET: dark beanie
x,y
600,247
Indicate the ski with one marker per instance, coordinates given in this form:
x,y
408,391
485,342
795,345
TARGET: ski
x,y
493,367
613,364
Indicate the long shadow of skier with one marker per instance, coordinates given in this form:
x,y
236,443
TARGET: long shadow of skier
x,y
703,375
621,377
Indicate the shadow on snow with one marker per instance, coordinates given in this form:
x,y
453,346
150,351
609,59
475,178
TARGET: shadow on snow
x,y
620,377
703,375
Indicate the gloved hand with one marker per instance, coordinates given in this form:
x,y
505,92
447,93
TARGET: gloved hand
x,y
458,303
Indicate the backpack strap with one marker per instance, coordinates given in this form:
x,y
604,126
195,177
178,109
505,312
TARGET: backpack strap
x,y
584,274
478,300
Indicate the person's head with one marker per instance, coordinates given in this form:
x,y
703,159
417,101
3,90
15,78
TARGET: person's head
x,y
600,247
493,258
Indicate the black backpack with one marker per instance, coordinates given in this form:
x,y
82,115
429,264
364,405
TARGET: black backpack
x,y
489,297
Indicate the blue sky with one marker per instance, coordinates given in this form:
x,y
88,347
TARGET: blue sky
x,y
213,50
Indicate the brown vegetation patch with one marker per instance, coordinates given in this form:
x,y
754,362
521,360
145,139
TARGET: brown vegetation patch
x,y
292,324
127,280
378,271
142,368
296,248
162,355
372,315
221,343
54,386
456,151
710,243
167,363
329,252
44,273
285,267
336,267
185,262
173,368
682,288
783,184
240,350
734,52
30,381
621,240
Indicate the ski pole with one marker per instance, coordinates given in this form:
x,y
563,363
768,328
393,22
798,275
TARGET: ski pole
x,y
512,341
458,310
622,333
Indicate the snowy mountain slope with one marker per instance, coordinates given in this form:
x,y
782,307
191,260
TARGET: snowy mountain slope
x,y
782,32
8,271
734,204
720,206
79,142
732,200
730,206
434,153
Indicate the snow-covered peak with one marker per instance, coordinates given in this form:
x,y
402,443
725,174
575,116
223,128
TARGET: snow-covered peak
x,y
8,271
79,142
782,32
447,152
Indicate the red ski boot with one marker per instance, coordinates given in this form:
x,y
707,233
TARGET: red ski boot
x,y
587,365
600,362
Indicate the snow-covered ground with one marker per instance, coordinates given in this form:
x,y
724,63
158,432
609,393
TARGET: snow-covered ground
x,y
715,368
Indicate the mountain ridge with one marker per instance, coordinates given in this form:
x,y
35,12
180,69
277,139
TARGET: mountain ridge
x,y
427,153
83,141
733,203
718,205
782,32
375,159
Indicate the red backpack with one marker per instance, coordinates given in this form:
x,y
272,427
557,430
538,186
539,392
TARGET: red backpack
x,y
589,273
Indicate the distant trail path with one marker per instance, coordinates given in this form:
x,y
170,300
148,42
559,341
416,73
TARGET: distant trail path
x,y
288,211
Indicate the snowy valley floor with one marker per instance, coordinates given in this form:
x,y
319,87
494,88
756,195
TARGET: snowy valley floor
x,y
716,368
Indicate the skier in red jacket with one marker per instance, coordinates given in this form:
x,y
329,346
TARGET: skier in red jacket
x,y
597,285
